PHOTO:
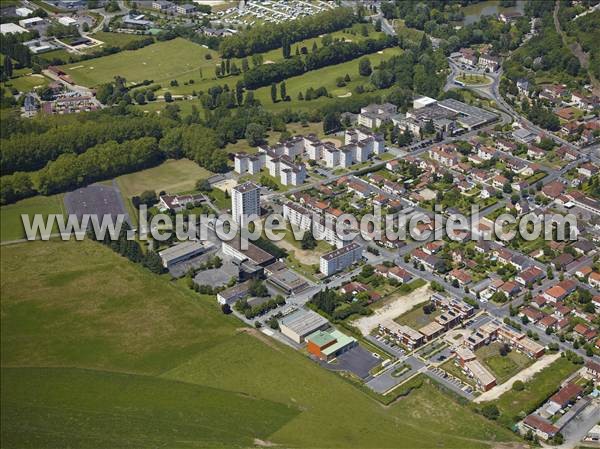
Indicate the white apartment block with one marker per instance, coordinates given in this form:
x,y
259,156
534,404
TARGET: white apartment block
x,y
340,259
374,115
304,219
245,201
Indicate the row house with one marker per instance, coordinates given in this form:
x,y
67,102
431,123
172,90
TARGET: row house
x,y
445,156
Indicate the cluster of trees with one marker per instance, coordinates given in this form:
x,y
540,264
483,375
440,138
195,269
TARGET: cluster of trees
x,y
59,30
103,161
131,250
417,71
30,151
339,306
312,93
13,48
544,53
260,39
227,67
418,15
334,53
543,117
249,312
197,143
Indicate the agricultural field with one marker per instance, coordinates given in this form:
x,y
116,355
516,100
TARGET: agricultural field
x,y
160,62
11,225
121,355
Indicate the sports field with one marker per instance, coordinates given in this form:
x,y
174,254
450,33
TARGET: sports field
x,y
172,176
11,224
125,358
160,62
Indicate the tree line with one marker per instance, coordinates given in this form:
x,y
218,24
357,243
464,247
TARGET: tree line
x,y
335,53
263,38
27,152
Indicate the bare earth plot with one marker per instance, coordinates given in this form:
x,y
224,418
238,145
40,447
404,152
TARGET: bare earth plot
x,y
393,309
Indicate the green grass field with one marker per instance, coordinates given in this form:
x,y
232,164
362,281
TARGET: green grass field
x,y
416,318
11,224
172,176
503,367
160,62
117,39
97,352
514,405
27,83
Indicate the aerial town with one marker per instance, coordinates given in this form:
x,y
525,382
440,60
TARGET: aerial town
x,y
192,125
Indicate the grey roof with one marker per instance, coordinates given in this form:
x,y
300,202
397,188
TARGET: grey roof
x,y
245,187
341,251
303,322
181,249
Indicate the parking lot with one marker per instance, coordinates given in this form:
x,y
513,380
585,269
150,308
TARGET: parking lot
x,y
356,360
96,199
450,382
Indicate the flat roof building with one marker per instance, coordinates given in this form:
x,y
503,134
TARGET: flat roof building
x,y
231,295
327,345
11,28
31,22
252,252
182,251
23,12
245,202
298,325
340,259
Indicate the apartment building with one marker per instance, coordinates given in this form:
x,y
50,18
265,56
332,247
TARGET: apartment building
x,y
340,259
245,202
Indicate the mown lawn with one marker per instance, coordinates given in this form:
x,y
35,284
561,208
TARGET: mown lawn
x,y
117,39
172,176
160,62
503,367
98,352
27,83
11,224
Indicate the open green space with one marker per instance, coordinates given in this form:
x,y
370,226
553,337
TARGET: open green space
x,y
167,413
474,79
27,83
325,77
172,176
160,62
117,39
503,367
11,224
514,405
98,352
417,318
